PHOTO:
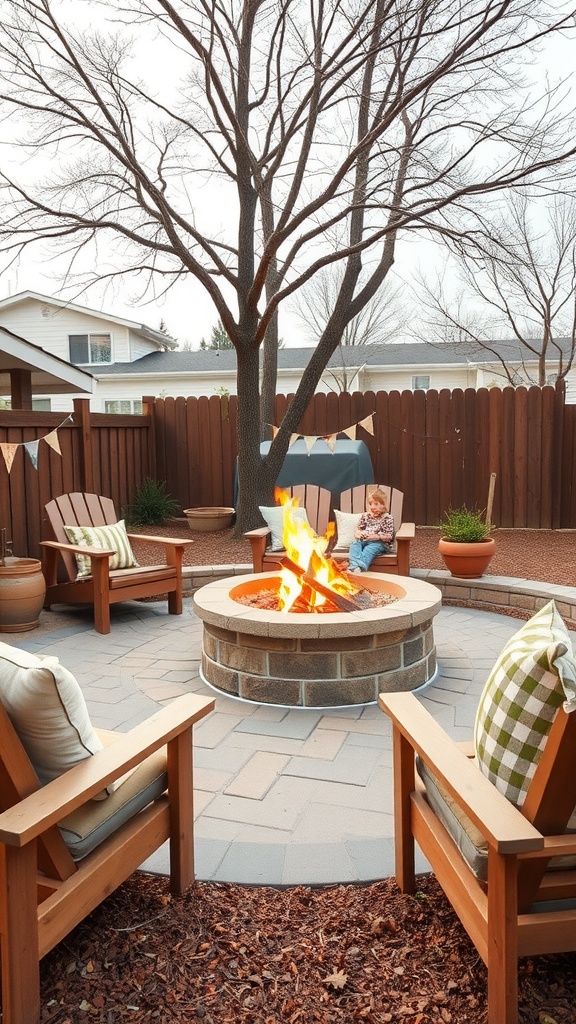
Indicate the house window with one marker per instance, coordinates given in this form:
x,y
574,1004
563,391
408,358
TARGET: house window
x,y
38,404
124,407
421,382
90,348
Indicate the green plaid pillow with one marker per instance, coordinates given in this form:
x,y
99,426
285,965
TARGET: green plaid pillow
x,y
533,676
113,537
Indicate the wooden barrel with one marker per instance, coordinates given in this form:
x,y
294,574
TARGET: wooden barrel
x,y
22,591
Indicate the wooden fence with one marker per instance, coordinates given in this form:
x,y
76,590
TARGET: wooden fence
x,y
438,447
106,454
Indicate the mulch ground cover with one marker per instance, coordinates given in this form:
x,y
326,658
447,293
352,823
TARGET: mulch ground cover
x,y
545,555
224,953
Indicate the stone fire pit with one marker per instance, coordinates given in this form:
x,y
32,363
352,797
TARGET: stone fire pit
x,y
317,660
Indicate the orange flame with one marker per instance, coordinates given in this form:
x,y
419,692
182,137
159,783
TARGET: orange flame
x,y
308,551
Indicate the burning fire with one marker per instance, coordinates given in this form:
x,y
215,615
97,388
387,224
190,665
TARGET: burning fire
x,y
308,553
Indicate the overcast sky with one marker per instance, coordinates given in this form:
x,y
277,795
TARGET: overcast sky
x,y
188,314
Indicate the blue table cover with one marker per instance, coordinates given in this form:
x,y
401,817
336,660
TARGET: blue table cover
x,y
349,465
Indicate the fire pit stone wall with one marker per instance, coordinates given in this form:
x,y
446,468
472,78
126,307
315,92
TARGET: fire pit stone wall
x,y
315,660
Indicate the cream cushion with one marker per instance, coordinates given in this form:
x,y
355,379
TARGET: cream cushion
x,y
346,523
84,829
273,516
112,538
48,711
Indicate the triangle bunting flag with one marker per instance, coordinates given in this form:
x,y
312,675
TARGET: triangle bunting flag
x,y
32,450
8,451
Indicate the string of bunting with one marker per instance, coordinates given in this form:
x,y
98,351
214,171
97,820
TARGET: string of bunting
x,y
330,439
9,449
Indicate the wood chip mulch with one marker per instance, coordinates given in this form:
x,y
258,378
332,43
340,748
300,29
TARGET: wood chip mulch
x,y
224,953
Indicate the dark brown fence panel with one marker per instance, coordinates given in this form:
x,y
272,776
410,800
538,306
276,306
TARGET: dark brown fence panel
x,y
196,448
419,474
506,473
493,424
564,466
114,451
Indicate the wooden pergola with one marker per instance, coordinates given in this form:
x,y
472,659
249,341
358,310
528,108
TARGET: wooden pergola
x,y
27,370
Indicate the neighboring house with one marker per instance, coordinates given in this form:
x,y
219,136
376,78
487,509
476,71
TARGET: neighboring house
x,y
83,337
130,360
391,367
26,370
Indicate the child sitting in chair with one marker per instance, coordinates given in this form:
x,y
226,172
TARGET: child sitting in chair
x,y
373,535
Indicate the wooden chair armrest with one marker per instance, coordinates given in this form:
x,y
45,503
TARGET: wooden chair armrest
x,y
467,748
261,531
406,531
503,825
78,549
173,541
559,846
37,812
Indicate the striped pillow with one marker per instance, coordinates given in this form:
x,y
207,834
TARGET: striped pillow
x,y
533,676
113,537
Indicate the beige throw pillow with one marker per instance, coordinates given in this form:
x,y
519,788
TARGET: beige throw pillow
x,y
112,537
48,711
346,523
273,516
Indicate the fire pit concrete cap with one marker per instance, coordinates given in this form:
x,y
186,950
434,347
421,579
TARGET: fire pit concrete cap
x,y
418,602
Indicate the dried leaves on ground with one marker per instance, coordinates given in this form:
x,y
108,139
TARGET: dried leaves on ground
x,y
225,953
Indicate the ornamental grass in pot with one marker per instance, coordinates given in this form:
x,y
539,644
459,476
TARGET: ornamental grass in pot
x,y
466,545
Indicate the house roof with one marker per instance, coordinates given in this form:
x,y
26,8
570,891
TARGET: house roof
x,y
158,337
50,375
420,355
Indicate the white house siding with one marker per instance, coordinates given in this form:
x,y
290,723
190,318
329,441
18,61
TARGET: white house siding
x,y
49,326
400,379
137,347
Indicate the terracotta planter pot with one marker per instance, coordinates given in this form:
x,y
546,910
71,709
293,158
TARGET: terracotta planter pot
x,y
467,561
22,592
209,518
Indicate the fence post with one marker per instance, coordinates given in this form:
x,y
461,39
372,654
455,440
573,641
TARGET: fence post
x,y
82,422
148,409
558,446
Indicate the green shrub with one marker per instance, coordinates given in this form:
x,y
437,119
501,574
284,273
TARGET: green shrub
x,y
464,525
150,506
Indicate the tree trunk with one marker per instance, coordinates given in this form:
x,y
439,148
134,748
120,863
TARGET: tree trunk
x,y
255,478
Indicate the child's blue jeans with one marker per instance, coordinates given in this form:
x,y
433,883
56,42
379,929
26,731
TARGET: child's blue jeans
x,y
363,552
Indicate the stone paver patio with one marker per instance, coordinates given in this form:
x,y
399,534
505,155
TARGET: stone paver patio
x,y
283,796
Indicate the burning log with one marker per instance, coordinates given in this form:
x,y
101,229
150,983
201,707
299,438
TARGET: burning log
x,y
344,604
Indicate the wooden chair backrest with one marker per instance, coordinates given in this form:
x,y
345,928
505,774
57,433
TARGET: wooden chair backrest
x,y
551,797
356,498
316,501
18,780
78,509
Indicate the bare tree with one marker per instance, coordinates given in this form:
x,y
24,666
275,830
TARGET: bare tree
x,y
381,320
516,280
328,127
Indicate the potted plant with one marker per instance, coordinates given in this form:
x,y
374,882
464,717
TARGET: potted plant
x,y
466,545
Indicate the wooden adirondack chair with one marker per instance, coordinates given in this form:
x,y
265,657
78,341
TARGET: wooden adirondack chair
x,y
501,915
104,587
316,501
44,893
398,561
